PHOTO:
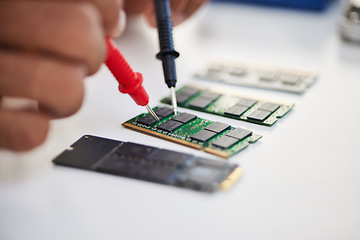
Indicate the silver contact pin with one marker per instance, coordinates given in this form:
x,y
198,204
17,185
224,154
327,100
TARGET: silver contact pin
x,y
152,113
173,100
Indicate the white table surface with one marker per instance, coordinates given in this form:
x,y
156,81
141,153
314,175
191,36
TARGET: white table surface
x,y
301,179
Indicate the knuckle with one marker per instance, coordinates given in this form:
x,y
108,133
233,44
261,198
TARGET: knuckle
x,y
70,93
34,72
57,85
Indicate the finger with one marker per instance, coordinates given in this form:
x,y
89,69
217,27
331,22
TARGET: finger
x,y
136,7
176,6
191,7
57,85
177,9
150,16
20,131
110,11
71,30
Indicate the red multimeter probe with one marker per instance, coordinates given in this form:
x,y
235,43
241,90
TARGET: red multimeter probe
x,y
130,82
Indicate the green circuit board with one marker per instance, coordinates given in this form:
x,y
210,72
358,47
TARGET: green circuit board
x,y
238,107
190,130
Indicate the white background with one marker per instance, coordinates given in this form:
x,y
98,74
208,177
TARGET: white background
x,y
301,179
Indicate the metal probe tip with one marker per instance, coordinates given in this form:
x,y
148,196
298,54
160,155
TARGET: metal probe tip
x,y
173,100
152,113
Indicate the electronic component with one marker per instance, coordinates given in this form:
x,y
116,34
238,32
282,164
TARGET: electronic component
x,y
169,126
259,115
200,102
217,127
192,131
186,94
239,133
256,75
148,120
163,112
271,107
225,142
246,102
149,163
184,117
203,135
236,110
257,111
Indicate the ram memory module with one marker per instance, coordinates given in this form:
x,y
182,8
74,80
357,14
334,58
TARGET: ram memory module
x,y
257,75
238,107
190,130
148,163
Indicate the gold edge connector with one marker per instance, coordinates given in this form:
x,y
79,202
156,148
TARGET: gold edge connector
x,y
162,136
217,152
231,179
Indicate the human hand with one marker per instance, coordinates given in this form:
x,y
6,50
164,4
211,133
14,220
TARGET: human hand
x,y
46,49
180,9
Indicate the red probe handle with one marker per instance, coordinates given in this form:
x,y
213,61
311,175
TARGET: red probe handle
x,y
129,81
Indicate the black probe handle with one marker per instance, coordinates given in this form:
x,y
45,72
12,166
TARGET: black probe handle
x,y
167,52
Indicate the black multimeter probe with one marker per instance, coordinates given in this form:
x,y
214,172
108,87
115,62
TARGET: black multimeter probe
x,y
167,52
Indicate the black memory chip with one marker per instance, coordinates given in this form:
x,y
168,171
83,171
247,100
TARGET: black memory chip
x,y
119,165
135,150
259,115
246,102
267,76
238,72
217,127
186,94
190,91
203,135
271,107
170,125
184,117
148,120
155,173
160,165
168,157
225,142
163,112
210,95
239,133
201,102
181,99
236,110
289,79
